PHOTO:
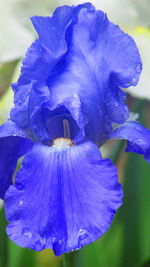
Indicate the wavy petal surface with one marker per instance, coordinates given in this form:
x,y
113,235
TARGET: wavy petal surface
x,y
79,54
58,202
138,138
13,144
95,67
9,128
40,59
37,65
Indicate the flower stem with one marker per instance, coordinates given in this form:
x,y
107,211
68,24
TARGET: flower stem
x,y
70,259
117,150
3,240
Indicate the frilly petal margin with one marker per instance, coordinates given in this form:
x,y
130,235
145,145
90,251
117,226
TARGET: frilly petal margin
x,y
41,58
97,82
63,61
138,138
59,203
9,128
13,144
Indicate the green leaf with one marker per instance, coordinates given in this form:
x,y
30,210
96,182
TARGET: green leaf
x,y
20,257
105,251
135,211
70,259
6,101
10,254
3,240
6,74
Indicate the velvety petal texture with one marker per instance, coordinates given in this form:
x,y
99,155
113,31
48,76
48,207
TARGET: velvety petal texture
x,y
68,101
93,51
59,203
80,55
138,138
9,128
40,59
13,145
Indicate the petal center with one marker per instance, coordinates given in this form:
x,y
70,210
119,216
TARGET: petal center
x,y
62,143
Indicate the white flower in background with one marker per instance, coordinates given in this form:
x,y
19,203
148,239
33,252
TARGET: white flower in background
x,y
15,33
142,39
127,13
14,38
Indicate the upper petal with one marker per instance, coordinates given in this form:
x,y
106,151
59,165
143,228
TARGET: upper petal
x,y
36,67
79,53
138,137
51,30
100,59
73,203
40,59
13,144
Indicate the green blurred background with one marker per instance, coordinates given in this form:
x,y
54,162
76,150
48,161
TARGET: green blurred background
x,y
127,243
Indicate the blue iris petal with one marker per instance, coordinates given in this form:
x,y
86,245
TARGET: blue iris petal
x,y
93,69
13,144
138,138
35,70
9,128
67,100
40,60
51,30
59,203
79,54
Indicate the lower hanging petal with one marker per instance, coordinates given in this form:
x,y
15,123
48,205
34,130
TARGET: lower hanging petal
x,y
138,138
65,197
13,144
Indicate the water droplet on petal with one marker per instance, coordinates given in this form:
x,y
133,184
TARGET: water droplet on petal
x,y
82,231
53,240
20,202
128,84
134,80
138,68
59,242
82,234
116,104
27,233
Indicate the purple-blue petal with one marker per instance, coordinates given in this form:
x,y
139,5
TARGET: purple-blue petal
x,y
34,72
59,203
138,137
40,59
51,30
9,128
13,145
93,69
79,54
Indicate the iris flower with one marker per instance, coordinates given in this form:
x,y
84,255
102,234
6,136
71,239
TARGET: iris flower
x,y
67,102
